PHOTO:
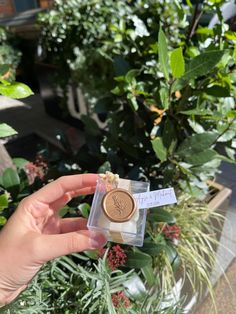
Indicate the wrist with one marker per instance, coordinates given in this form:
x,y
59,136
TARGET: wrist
x,y
7,297
3,298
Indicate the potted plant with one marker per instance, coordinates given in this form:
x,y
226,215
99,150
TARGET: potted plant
x,y
170,119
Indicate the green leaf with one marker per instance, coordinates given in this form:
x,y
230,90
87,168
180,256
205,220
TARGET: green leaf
x,y
229,151
177,63
234,54
197,112
84,209
138,260
197,143
16,90
231,114
92,254
225,158
104,167
10,178
169,135
3,202
201,157
117,91
227,136
163,53
118,38
20,162
158,214
153,249
2,221
171,253
197,127
64,210
11,181
205,31
230,35
164,96
148,275
135,288
189,3
131,75
159,149
176,263
133,101
217,91
180,10
5,82
202,64
6,130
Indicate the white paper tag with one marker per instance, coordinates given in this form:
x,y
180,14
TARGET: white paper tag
x,y
155,198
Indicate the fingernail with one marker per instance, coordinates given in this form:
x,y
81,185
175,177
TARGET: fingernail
x,y
97,240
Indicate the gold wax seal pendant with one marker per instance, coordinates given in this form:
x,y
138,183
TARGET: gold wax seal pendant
x,y
118,205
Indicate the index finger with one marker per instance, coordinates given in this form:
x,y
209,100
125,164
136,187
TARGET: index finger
x,y
56,189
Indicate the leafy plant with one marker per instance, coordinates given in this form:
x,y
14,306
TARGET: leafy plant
x,y
179,239
170,113
196,243
9,56
64,286
9,61
165,88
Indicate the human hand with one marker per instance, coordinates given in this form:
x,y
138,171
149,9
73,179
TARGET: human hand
x,y
35,233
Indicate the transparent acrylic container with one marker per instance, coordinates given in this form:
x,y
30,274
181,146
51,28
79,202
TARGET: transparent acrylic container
x,y
130,232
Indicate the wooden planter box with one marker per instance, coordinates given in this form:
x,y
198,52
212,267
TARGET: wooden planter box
x,y
218,200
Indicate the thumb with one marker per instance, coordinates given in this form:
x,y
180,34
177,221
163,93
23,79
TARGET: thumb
x,y
52,246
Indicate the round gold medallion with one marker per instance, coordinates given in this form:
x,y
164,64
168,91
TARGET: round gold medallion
x,y
118,205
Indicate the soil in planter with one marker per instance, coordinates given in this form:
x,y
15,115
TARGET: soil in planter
x,y
211,194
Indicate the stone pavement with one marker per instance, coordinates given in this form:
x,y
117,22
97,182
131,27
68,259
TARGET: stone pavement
x,y
225,292
227,251
28,116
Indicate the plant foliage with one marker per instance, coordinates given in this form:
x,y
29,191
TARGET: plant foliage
x,y
165,88
9,61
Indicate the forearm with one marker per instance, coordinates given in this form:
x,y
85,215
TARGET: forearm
x,y
5,296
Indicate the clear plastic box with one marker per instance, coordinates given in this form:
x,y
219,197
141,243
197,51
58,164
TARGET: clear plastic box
x,y
130,232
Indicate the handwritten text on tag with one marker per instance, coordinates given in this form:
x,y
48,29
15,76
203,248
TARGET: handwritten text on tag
x,y
155,198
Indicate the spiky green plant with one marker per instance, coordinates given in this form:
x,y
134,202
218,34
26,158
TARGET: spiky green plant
x,y
196,248
64,286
